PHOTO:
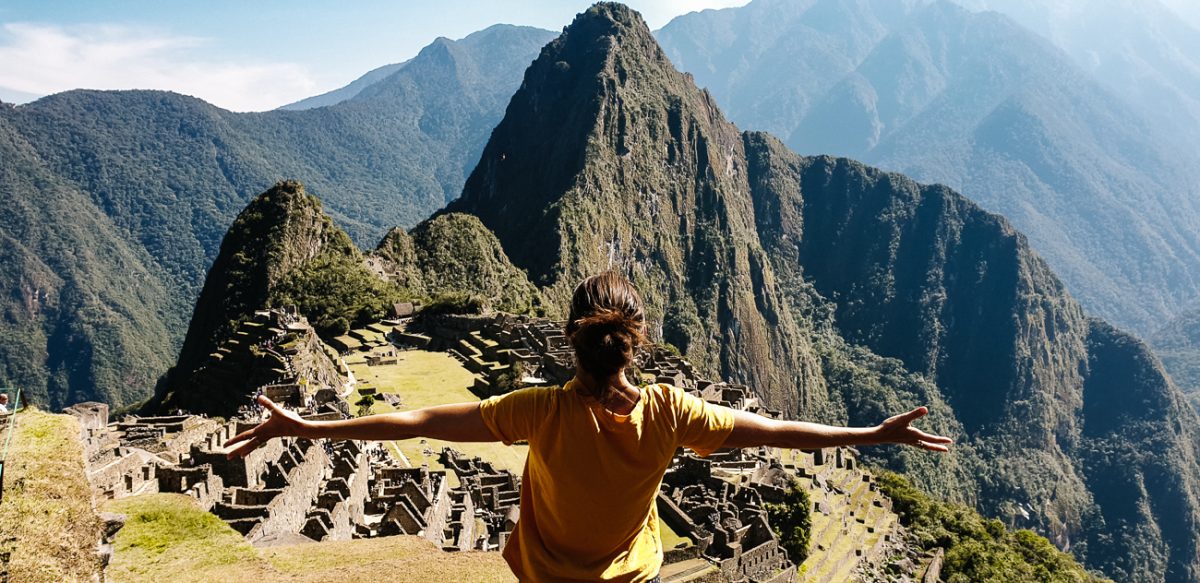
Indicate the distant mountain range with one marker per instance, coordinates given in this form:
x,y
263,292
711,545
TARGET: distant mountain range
x,y
977,102
123,198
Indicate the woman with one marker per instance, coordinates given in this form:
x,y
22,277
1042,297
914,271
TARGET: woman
x,y
598,446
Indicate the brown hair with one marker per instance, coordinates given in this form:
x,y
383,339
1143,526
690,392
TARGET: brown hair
x,y
606,323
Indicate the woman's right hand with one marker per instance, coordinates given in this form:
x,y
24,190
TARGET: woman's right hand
x,y
281,423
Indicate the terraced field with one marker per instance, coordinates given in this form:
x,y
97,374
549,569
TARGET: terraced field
x,y
854,524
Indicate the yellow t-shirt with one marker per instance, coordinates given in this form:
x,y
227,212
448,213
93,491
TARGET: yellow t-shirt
x,y
587,495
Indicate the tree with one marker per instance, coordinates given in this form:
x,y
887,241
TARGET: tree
x,y
364,404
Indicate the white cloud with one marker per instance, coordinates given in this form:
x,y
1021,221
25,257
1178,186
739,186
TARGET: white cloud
x,y
43,59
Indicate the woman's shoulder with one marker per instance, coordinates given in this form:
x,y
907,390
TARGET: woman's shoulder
x,y
665,394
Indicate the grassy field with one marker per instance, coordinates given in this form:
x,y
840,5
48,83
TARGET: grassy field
x,y
424,378
168,538
47,524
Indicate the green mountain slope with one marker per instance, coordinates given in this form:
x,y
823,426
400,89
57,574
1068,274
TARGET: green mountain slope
x,y
671,215
169,173
455,254
86,315
773,269
281,251
977,102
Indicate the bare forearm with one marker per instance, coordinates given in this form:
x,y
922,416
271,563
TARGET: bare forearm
x,y
750,430
457,422
805,435
385,427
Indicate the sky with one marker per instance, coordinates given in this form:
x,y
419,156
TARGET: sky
x,y
249,55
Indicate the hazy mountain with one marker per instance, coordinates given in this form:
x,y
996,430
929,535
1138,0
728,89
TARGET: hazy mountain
x,y
1178,345
1186,9
1140,50
770,267
349,91
977,102
168,173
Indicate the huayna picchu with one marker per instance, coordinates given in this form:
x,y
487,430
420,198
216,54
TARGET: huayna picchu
x,y
794,287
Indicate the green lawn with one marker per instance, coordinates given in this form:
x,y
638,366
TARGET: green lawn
x,y
169,538
423,378
670,538
168,534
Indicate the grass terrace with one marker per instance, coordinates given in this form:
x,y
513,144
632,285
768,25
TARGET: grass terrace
x,y
422,378
47,525
168,538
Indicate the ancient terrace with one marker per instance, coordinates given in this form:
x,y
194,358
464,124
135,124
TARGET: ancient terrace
x,y
297,490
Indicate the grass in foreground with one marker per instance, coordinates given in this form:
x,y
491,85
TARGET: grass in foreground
x,y
169,534
46,519
168,538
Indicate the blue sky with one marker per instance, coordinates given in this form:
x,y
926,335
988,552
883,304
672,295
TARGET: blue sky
x,y
248,55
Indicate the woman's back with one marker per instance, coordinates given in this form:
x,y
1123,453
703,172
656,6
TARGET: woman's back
x,y
588,493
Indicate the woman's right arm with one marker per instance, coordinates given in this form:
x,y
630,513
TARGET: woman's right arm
x,y
750,430
460,422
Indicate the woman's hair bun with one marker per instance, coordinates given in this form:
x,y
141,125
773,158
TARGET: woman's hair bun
x,y
606,324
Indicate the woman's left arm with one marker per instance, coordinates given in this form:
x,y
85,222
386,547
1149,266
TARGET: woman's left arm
x,y
751,430
458,422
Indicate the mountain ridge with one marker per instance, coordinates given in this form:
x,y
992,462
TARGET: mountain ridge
x,y
979,103
171,172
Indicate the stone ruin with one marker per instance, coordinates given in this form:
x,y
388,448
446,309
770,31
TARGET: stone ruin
x,y
726,521
494,495
491,346
717,501
274,351
296,490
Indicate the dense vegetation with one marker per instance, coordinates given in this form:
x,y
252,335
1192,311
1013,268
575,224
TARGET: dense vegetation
x,y
843,293
976,102
978,550
119,200
453,256
791,520
85,314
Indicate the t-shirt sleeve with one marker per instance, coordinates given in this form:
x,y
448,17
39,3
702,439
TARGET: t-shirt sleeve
x,y
515,416
701,426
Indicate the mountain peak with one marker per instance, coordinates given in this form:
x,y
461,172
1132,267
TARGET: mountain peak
x,y
609,158
282,250
602,87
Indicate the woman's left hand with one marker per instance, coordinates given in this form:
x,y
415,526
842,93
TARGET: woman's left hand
x,y
899,429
